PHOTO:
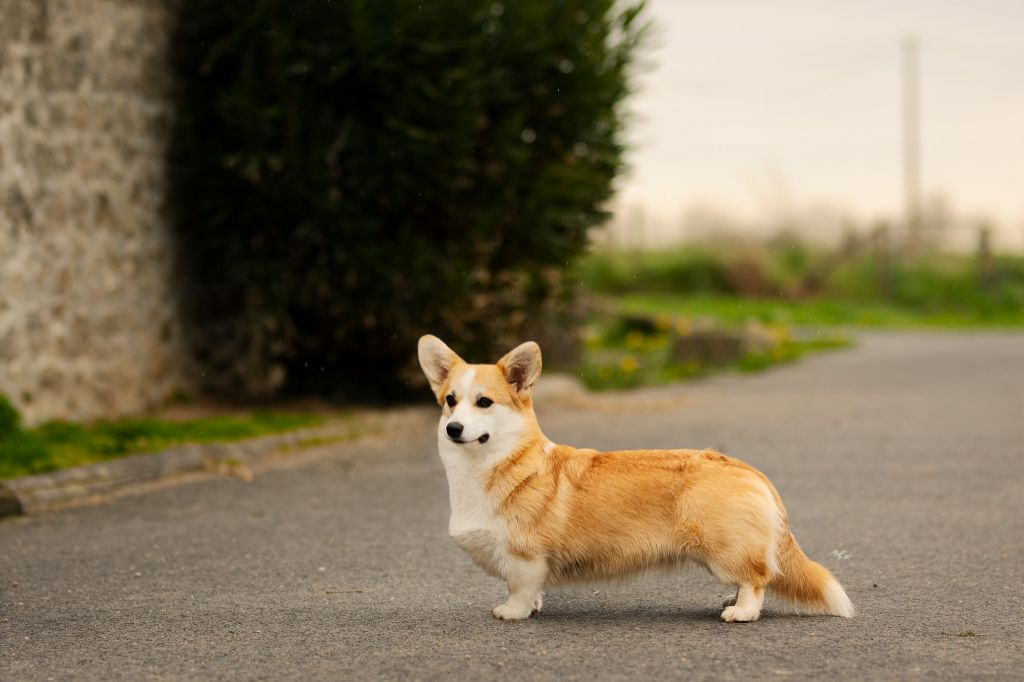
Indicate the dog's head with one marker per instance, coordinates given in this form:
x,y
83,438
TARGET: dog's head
x,y
481,405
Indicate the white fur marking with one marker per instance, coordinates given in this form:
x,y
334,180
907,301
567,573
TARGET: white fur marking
x,y
838,603
747,607
465,383
473,523
525,582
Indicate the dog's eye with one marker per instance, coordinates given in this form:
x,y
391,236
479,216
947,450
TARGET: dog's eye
x,y
484,402
450,399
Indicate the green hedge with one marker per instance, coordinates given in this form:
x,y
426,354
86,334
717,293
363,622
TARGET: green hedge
x,y
349,175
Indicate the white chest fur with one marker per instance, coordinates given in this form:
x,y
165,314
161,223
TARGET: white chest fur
x,y
473,524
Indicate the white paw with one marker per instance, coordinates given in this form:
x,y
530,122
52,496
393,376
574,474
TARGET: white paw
x,y
735,614
512,611
538,602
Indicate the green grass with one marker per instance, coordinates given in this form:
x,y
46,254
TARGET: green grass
x,y
815,312
609,363
789,351
798,286
58,444
617,358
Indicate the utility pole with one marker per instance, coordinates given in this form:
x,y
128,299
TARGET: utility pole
x,y
911,136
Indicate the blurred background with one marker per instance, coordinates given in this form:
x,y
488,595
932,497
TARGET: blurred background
x,y
823,117
219,220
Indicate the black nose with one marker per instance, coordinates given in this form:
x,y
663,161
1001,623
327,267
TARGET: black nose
x,y
454,429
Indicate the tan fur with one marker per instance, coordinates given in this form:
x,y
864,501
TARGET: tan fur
x,y
580,515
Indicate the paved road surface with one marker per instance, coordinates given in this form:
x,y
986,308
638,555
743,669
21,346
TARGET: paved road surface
x,y
901,462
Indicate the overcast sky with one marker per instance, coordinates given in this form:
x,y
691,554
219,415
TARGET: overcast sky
x,y
749,103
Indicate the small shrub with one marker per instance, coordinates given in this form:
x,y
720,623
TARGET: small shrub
x,y
10,418
21,454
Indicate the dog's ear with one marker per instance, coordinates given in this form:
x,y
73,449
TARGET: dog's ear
x,y
521,366
437,361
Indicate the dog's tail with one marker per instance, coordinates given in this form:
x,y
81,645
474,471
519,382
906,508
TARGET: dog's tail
x,y
807,583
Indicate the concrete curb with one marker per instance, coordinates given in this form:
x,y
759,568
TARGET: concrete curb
x,y
66,487
77,485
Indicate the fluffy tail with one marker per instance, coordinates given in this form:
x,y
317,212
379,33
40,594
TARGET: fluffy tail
x,y
808,583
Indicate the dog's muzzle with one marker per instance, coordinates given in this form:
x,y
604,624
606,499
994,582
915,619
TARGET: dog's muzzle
x,y
454,430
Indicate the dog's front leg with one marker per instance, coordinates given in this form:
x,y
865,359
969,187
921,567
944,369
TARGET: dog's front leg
x,y
525,581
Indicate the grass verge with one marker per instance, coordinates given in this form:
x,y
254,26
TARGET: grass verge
x,y
622,354
57,445
815,312
789,351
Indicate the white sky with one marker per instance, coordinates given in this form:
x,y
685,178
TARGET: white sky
x,y
747,104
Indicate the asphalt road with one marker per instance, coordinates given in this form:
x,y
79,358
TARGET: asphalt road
x,y
901,462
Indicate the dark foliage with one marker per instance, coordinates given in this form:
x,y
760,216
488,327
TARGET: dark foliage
x,y
351,174
10,419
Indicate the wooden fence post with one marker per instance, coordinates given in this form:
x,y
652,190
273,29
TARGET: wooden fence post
x,y
883,260
986,266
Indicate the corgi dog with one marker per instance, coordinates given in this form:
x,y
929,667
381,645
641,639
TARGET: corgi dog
x,y
537,514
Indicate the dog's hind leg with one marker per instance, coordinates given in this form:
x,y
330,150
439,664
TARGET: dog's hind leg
x,y
748,605
751,574
744,538
749,570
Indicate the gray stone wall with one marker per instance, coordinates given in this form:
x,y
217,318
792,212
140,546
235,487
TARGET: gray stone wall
x,y
89,320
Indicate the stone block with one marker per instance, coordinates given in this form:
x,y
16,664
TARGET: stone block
x,y
709,347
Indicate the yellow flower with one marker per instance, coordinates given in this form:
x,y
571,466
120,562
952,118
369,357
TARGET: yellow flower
x,y
779,332
634,340
628,364
684,326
